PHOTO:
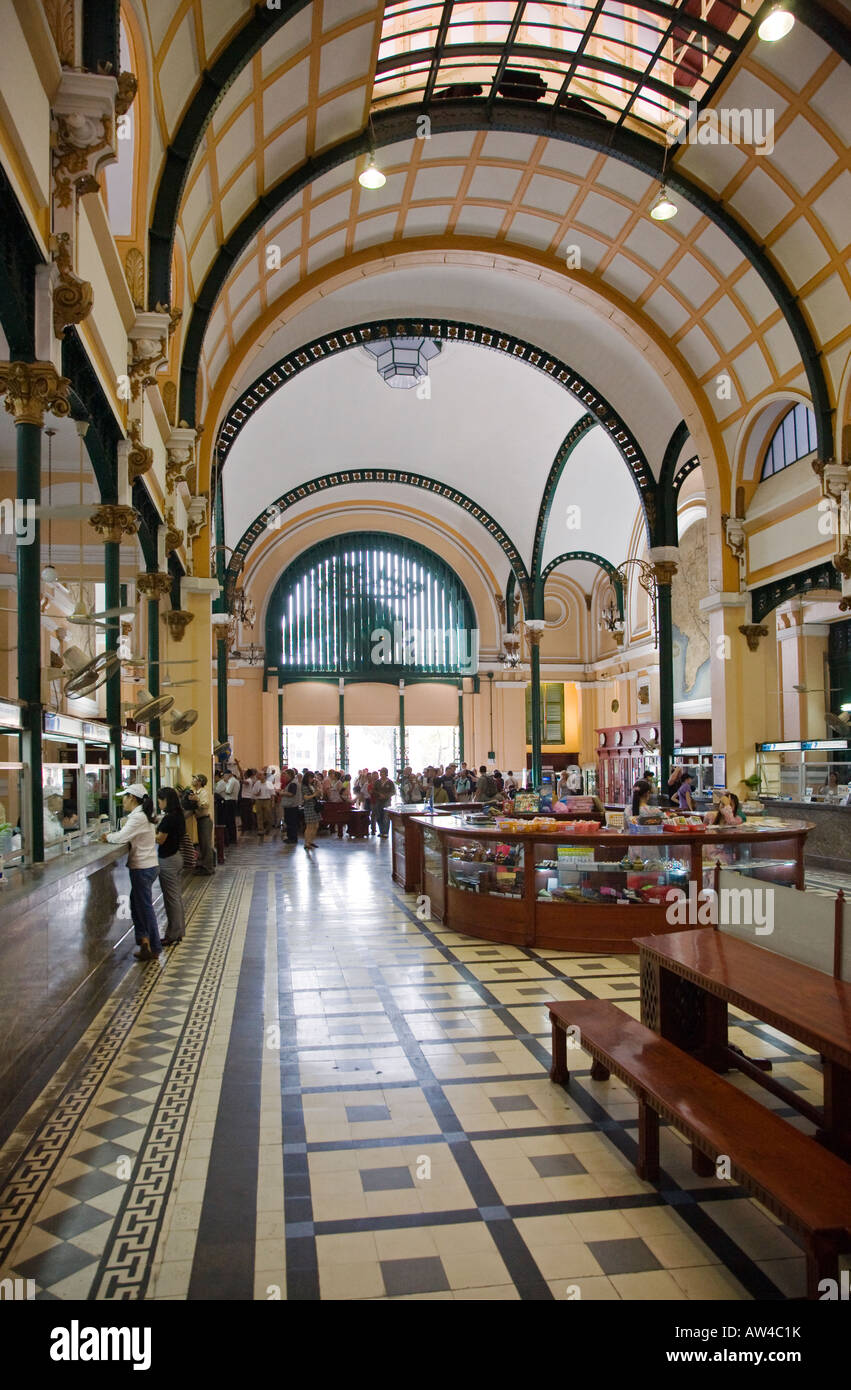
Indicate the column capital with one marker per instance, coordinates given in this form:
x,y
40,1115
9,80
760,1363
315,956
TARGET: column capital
x,y
112,521
156,584
31,389
177,620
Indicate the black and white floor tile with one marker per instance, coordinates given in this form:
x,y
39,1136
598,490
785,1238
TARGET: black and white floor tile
x,y
317,1095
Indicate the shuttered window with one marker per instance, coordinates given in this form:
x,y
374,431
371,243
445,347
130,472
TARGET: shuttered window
x,y
552,713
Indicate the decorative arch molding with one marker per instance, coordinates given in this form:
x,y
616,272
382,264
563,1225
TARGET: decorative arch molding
x,y
688,468
592,558
448,117
448,330
576,433
820,578
316,486
393,515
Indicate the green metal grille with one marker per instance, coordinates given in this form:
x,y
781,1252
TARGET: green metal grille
x,y
368,603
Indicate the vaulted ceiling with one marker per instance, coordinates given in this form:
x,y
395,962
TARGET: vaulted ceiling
x,y
522,216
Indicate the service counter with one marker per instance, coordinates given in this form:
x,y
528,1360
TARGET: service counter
x,y
59,933
592,892
829,843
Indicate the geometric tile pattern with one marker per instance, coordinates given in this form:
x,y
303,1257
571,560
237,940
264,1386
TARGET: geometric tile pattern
x,y
408,1143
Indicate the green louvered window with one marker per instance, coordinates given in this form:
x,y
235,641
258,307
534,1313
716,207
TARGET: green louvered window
x,y
369,603
552,713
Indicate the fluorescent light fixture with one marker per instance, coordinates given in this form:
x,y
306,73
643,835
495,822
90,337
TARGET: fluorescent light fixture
x,y
371,176
776,25
662,209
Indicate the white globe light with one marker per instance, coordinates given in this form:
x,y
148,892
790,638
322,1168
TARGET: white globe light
x,y
371,177
662,209
776,25
49,574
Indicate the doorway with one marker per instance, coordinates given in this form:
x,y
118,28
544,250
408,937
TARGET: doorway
x,y
372,746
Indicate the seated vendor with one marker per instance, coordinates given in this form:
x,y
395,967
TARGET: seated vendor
x,y
727,811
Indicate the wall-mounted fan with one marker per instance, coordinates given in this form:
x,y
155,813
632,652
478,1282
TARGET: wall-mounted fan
x,y
180,722
839,724
88,677
148,707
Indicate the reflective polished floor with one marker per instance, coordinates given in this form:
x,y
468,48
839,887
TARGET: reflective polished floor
x,y
320,1095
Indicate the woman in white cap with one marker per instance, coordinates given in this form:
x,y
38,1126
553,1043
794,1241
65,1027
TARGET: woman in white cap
x,y
139,832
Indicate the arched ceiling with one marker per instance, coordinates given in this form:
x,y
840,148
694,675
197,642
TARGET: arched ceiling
x,y
491,429
747,292
309,87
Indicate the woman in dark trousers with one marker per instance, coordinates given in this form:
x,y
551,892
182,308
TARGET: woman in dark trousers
x,y
170,831
291,803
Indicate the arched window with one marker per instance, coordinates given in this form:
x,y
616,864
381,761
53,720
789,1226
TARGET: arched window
x,y
794,438
371,604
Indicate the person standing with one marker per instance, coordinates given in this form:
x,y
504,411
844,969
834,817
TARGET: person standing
x,y
291,802
169,835
231,799
246,801
143,864
310,809
264,805
684,792
383,792
204,823
487,790
463,784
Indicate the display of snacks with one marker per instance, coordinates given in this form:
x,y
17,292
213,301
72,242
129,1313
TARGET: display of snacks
x,y
484,867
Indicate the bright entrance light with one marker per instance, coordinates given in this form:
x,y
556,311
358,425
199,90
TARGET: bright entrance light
x,y
371,176
662,209
776,25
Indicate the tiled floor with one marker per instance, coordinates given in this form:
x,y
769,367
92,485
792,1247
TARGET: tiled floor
x,y
321,1096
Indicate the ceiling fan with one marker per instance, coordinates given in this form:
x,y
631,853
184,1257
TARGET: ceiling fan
x,y
84,616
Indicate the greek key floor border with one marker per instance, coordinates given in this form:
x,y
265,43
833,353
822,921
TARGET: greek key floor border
x,y
210,924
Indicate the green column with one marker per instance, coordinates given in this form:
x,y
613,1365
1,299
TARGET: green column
x,y
221,689
461,722
112,582
281,758
341,717
402,758
28,448
535,661
154,683
666,681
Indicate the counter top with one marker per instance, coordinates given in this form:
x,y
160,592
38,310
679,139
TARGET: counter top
x,y
28,887
751,830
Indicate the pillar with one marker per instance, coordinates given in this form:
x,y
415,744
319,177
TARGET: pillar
x,y
402,759
664,561
461,722
30,389
744,684
535,628
153,608
191,627
221,689
112,584
341,718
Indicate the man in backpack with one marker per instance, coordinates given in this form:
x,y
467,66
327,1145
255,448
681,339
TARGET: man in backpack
x,y
487,790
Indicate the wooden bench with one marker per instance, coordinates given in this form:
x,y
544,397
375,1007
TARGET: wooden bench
x,y
802,1183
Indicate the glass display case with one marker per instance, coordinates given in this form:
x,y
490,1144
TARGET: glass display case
x,y
575,886
818,770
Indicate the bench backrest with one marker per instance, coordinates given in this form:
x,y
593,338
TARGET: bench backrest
x,y
802,924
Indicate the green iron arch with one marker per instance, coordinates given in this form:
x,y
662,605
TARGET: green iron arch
x,y
271,514
320,349
606,565
370,605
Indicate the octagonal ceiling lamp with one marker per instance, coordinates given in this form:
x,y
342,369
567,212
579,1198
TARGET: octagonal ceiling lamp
x,y
776,25
403,362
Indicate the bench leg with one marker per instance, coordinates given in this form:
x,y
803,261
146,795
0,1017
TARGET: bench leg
x,y
558,1070
599,1072
647,1166
822,1261
701,1164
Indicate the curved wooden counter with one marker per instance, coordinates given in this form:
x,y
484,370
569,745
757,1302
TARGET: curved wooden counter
x,y
584,899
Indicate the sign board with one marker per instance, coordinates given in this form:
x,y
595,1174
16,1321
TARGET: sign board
x,y
527,801
719,771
